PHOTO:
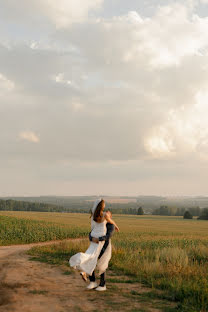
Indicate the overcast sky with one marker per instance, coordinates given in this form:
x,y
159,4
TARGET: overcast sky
x,y
103,97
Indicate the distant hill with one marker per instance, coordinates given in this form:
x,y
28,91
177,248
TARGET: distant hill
x,y
118,204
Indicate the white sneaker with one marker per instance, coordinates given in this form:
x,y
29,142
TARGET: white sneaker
x,y
92,285
101,288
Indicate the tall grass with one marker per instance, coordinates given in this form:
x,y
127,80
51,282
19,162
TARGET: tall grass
x,y
178,266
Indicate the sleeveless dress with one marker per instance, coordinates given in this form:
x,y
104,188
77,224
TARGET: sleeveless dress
x,y
87,261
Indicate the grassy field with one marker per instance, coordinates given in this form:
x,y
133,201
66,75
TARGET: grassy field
x,y
25,229
166,253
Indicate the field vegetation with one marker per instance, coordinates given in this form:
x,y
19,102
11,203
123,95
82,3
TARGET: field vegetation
x,y
15,230
166,253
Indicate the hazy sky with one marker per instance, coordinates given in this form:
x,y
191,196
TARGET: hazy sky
x,y
103,97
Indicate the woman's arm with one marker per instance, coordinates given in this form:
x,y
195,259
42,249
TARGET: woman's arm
x,y
109,220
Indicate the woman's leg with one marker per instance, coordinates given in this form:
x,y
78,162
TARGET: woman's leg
x,y
92,283
102,280
92,277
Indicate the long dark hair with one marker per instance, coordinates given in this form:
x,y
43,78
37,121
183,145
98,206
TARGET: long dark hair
x,y
98,214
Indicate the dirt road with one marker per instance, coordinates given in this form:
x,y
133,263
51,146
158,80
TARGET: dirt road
x,y
31,286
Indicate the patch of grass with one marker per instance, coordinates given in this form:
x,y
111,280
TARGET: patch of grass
x,y
113,304
135,293
151,295
92,299
38,292
112,287
121,281
77,309
12,285
67,273
167,309
139,310
40,259
178,308
57,253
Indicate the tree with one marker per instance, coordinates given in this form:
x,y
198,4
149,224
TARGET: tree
x,y
204,215
140,211
187,215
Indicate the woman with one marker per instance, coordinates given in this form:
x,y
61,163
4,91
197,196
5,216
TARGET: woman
x,y
103,259
87,261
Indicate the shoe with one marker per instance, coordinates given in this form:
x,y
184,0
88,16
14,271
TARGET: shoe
x,y
92,285
101,288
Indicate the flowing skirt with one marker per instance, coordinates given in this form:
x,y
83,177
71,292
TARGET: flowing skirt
x,y
102,263
87,261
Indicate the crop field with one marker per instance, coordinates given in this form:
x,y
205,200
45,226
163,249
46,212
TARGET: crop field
x,y
25,230
166,253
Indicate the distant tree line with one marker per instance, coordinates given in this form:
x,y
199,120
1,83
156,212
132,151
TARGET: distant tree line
x,y
201,213
174,211
129,208
15,205
20,205
204,214
187,215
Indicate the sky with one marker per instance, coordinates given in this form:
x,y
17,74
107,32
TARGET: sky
x,y
103,97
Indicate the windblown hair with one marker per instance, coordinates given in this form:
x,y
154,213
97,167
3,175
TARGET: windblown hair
x,y
98,214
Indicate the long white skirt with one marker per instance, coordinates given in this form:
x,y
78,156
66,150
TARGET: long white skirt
x,y
87,261
102,263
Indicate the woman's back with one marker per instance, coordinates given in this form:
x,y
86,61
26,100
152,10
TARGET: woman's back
x,y
98,228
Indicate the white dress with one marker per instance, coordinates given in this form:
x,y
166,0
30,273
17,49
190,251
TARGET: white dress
x,y
87,261
102,263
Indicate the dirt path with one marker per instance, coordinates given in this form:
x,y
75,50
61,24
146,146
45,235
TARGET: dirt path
x,y
31,286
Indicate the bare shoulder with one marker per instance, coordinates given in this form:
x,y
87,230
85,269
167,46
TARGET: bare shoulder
x,y
107,216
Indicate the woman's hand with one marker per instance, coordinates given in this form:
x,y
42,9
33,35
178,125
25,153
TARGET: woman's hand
x,y
95,240
117,228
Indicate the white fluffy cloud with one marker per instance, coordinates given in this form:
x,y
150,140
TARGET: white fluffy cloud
x,y
163,40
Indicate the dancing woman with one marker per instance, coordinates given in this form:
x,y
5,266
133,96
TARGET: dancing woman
x,y
103,258
87,261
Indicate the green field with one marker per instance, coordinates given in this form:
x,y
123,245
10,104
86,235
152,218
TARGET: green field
x,y
166,253
25,228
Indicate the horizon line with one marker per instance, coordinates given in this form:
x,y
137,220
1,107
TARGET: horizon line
x,y
102,195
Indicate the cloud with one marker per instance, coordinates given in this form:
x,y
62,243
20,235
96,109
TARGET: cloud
x,y
126,99
114,97
5,84
62,13
29,136
161,41
66,12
